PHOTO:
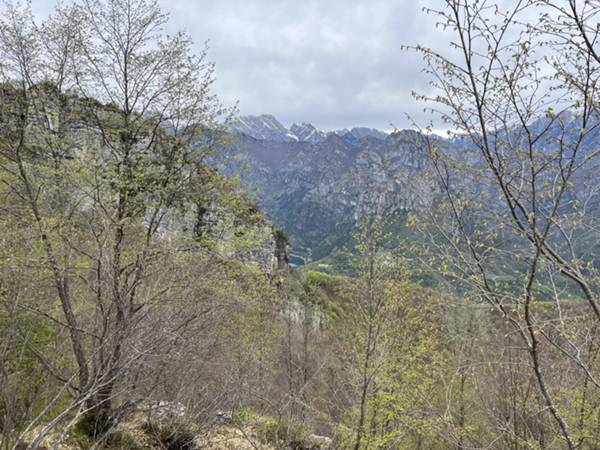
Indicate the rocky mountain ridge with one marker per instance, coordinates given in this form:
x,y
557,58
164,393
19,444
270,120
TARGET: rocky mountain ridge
x,y
224,217
317,186
267,128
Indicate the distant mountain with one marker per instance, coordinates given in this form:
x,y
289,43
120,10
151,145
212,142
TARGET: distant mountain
x,y
267,128
316,186
306,132
362,132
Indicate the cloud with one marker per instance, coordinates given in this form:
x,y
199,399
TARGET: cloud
x,y
335,63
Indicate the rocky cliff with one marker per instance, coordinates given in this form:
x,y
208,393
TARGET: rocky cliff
x,y
62,127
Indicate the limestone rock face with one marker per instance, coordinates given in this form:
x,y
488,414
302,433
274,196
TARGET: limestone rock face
x,y
225,216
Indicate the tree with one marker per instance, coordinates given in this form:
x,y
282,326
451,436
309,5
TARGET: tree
x,y
105,122
518,200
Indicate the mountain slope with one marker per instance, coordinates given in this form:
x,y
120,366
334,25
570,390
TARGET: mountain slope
x,y
317,187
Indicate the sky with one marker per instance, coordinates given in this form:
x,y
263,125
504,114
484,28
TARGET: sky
x,y
333,63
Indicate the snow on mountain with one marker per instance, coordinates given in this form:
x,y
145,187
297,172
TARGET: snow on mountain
x,y
267,128
308,133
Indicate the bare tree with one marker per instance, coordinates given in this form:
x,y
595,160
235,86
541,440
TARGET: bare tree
x,y
106,122
518,200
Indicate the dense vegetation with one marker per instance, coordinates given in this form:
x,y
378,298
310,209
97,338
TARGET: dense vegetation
x,y
145,301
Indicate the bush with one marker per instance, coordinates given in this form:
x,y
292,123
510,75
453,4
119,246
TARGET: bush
x,y
284,432
320,279
174,434
242,416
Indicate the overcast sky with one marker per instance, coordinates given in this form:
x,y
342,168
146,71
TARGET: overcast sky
x,y
334,63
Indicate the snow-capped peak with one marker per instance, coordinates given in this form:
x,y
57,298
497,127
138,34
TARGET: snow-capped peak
x,y
265,127
307,132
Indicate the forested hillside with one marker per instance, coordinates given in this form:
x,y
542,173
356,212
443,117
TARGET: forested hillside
x,y
147,300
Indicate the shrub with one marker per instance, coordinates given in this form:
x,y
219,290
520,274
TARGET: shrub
x,y
174,433
284,432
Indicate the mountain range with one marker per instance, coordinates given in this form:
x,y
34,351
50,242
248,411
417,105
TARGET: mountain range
x,y
267,127
317,185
